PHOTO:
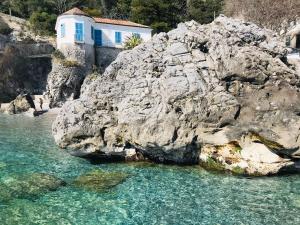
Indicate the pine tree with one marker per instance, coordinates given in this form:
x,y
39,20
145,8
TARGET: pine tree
x,y
204,11
161,15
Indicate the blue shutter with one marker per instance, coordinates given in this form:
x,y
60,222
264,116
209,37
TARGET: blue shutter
x,y
63,30
98,37
79,32
118,37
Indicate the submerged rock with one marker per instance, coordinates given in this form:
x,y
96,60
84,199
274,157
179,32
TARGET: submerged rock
x,y
99,180
28,186
2,165
195,86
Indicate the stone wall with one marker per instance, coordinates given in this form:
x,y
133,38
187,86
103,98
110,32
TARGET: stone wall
x,y
82,53
33,49
105,56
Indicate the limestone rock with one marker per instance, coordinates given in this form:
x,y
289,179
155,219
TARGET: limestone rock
x,y
28,186
22,104
64,82
258,152
99,180
255,158
194,86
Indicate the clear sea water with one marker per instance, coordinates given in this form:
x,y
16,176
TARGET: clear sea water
x,y
151,195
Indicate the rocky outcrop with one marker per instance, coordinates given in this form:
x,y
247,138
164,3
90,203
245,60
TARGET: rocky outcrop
x,y
252,155
64,82
24,59
22,104
196,86
21,74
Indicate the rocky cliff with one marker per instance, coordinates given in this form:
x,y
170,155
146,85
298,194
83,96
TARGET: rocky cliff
x,y
220,94
24,59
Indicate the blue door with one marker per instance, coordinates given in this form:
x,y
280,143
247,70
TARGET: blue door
x,y
79,32
98,37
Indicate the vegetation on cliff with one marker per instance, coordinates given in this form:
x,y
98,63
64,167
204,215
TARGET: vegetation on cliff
x,y
161,15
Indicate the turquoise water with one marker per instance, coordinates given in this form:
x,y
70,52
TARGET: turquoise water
x,y
151,195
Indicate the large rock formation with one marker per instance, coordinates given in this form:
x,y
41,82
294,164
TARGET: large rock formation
x,y
70,67
64,82
199,86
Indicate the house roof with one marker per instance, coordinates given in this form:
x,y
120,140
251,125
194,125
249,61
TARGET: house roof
x,y
75,11
78,12
118,22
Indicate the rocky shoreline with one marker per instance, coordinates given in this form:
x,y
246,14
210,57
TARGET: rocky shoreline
x,y
222,95
186,96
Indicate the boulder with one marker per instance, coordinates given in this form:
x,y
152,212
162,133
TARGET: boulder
x,y
197,85
99,180
22,104
255,158
28,186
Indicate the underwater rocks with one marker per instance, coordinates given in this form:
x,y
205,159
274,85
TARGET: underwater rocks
x,y
196,86
28,186
99,180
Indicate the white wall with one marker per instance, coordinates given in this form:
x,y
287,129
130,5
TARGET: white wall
x,y
69,21
108,31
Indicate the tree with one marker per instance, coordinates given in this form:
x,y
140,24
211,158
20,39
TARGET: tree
x,y
43,23
122,9
203,11
268,13
161,15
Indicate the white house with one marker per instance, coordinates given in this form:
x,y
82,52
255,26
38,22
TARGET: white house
x,y
76,27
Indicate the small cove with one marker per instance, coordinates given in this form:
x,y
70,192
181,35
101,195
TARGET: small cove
x,y
152,194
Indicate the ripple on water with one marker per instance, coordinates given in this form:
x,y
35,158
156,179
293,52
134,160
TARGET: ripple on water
x,y
152,194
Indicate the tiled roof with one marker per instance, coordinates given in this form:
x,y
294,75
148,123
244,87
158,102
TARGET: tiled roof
x,y
118,22
76,11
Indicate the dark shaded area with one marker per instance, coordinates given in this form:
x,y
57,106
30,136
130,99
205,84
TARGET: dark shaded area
x,y
22,75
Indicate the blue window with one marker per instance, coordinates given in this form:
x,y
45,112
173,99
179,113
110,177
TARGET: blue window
x,y
79,32
63,30
137,35
92,32
118,37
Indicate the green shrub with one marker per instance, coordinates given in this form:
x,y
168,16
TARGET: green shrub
x,y
70,63
58,54
92,12
43,23
132,42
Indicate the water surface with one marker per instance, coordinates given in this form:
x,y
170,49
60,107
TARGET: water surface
x,y
151,195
